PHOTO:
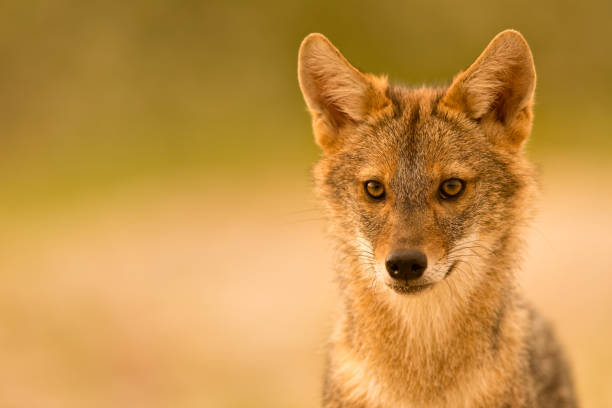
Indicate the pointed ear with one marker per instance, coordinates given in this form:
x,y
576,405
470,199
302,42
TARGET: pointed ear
x,y
499,86
336,93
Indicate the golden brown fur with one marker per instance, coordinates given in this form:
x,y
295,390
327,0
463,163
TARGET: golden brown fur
x,y
468,339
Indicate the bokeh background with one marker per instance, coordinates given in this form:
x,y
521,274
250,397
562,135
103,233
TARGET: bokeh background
x,y
160,246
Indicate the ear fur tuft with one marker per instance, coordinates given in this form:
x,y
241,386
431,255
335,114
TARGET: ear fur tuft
x,y
335,92
499,85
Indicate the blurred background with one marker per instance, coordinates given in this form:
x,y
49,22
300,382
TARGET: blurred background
x,y
160,245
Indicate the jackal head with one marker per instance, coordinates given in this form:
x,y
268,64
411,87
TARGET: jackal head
x,y
419,182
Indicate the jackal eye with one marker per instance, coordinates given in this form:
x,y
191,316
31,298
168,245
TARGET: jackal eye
x,y
451,188
374,189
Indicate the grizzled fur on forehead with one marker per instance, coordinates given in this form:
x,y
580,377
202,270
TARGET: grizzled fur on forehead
x,y
416,147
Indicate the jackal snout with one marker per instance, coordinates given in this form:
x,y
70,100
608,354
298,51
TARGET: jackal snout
x,y
406,264
410,249
410,269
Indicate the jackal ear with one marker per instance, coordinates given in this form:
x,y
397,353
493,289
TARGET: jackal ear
x,y
498,86
335,92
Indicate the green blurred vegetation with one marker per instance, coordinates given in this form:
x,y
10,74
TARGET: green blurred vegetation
x,y
98,94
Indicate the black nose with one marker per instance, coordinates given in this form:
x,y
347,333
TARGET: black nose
x,y
406,264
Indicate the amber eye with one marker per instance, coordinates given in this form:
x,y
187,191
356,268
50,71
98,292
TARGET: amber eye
x,y
374,189
451,188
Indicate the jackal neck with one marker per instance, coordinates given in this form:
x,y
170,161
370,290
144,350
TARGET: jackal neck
x,y
420,346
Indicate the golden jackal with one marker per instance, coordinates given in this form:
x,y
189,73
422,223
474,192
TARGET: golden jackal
x,y
428,192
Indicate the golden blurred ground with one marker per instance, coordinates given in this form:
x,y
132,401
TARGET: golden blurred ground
x,y
190,295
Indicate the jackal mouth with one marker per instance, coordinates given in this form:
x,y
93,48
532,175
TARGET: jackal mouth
x,y
409,289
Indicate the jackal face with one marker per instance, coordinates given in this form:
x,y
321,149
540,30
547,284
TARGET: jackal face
x,y
419,182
